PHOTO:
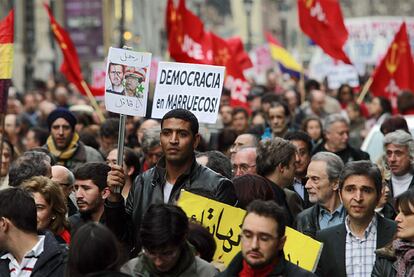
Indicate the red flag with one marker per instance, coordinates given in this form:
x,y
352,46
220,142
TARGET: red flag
x,y
235,81
396,70
185,34
322,21
6,58
241,56
188,42
70,66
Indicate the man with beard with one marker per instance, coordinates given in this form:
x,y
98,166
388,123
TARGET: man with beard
x,y
90,191
64,143
262,241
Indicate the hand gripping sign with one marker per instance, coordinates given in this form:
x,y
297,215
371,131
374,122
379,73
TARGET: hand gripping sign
x,y
224,223
127,81
194,87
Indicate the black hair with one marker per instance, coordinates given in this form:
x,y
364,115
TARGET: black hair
x,y
19,207
385,105
162,226
242,110
405,202
250,187
218,162
362,168
202,240
93,248
131,158
40,134
183,115
95,171
109,128
312,84
300,135
269,209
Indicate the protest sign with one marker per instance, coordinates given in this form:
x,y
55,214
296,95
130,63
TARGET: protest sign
x,y
127,81
342,74
193,87
224,222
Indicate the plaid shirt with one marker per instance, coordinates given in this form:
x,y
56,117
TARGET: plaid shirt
x,y
360,253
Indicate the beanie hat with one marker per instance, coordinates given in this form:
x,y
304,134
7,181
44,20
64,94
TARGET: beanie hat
x,y
61,113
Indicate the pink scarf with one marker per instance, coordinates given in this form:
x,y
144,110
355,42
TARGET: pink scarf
x,y
404,252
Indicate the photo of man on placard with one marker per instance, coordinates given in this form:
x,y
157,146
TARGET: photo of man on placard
x,y
116,76
135,81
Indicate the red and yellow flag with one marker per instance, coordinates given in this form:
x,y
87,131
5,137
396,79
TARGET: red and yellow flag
x,y
396,70
70,66
322,21
6,58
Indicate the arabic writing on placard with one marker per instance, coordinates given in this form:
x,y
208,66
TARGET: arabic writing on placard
x,y
224,222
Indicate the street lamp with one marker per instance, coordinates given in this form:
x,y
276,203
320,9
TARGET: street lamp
x,y
248,5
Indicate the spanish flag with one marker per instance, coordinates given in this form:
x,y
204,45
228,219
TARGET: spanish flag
x,y
287,63
6,58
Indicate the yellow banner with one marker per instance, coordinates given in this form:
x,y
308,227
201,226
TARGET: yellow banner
x,y
224,223
6,60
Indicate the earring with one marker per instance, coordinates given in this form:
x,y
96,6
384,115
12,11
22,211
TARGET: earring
x,y
53,217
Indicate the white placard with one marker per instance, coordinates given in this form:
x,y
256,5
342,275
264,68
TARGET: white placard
x,y
127,81
193,87
342,74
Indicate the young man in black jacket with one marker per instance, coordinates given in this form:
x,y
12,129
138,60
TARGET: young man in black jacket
x,y
163,183
24,252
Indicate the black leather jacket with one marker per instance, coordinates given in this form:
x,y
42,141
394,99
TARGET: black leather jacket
x,y
125,220
384,263
307,221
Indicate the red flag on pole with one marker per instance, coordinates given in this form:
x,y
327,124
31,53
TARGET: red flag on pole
x,y
188,42
322,21
6,58
185,34
396,70
70,66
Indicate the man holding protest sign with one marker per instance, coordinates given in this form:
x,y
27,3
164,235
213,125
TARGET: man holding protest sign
x,y
262,241
177,170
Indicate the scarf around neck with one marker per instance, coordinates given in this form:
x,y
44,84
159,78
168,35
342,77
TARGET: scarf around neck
x,y
65,154
404,251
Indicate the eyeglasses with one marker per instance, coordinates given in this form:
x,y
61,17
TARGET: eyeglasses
x,y
261,237
242,167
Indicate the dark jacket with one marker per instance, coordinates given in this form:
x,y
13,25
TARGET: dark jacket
x,y
281,200
349,154
51,262
78,220
307,222
332,261
384,264
283,268
125,219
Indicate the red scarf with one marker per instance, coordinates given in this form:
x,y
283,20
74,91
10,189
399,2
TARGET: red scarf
x,y
248,271
65,235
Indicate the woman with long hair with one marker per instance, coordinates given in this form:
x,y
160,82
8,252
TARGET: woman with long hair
x,y
397,259
94,251
51,206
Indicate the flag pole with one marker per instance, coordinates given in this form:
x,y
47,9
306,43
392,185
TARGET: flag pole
x,y
364,90
93,101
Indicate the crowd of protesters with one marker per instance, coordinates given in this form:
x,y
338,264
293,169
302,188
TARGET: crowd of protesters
x,y
291,157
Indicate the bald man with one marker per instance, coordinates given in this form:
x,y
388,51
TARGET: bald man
x,y
65,179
